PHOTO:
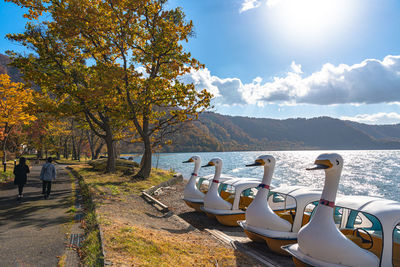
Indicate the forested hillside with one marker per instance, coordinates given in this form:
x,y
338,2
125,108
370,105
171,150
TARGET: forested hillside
x,y
6,69
216,132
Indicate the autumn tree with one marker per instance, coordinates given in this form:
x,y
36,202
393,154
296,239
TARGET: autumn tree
x,y
158,101
136,50
59,67
143,45
14,103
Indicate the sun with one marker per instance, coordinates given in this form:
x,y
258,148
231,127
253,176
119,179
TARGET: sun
x,y
310,19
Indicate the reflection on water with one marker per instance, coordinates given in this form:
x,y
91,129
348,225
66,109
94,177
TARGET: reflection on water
x,y
365,172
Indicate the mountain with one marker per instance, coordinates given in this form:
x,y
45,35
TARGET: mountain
x,y
216,132
14,73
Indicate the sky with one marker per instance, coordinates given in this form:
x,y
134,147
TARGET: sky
x,y
288,58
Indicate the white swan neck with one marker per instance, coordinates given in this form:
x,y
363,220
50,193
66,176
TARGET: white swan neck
x,y
268,172
217,175
196,169
218,170
331,185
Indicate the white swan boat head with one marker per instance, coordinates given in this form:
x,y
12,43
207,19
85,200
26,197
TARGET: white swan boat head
x,y
192,195
320,242
275,216
227,199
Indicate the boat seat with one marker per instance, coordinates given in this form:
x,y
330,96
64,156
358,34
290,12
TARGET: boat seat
x,y
244,202
287,215
377,241
227,196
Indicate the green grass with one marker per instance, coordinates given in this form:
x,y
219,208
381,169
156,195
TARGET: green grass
x,y
91,249
8,175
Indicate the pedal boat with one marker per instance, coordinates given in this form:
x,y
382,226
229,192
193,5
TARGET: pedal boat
x,y
276,216
227,201
197,187
321,243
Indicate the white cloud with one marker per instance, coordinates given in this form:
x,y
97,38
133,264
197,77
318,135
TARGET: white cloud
x,y
272,3
226,91
369,82
378,118
249,4
296,68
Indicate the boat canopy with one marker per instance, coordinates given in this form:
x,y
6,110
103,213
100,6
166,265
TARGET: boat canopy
x,y
387,211
303,196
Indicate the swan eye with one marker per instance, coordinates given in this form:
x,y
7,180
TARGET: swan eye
x,y
269,160
337,162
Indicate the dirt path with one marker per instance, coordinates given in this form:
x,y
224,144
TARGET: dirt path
x,y
172,197
32,231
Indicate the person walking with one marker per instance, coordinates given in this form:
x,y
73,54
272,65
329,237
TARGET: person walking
x,y
20,171
47,175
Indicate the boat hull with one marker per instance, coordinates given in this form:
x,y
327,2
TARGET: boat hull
x,y
194,205
254,236
275,245
209,215
299,263
230,219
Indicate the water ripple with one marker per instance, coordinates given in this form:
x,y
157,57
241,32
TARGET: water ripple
x,y
365,172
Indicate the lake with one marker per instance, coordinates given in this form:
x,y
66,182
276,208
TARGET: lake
x,y
365,172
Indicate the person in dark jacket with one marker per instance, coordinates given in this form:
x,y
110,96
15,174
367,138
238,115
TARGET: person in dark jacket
x,y
20,171
47,175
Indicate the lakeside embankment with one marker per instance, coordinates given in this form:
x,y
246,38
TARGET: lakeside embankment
x,y
135,233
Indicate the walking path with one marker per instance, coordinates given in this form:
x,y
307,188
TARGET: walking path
x,y
33,231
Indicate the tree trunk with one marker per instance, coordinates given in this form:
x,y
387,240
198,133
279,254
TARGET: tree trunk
x,y
4,154
91,144
40,153
110,154
74,157
66,152
98,150
145,169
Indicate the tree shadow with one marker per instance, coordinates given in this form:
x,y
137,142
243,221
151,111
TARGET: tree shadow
x,y
202,222
33,210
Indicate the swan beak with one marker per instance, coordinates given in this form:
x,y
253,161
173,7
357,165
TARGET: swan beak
x,y
188,161
321,165
257,162
209,164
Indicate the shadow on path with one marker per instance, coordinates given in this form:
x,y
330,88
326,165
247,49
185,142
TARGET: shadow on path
x,y
32,230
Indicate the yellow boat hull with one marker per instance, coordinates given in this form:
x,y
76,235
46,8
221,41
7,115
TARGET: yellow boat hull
x,y
209,215
254,236
230,219
299,263
194,205
276,244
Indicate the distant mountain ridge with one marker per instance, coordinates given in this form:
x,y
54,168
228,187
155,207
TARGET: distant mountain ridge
x,y
216,132
14,73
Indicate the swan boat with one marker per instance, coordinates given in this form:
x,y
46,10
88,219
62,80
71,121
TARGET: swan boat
x,y
197,187
227,200
276,216
349,232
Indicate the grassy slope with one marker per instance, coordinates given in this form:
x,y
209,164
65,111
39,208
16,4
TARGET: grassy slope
x,y
136,244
